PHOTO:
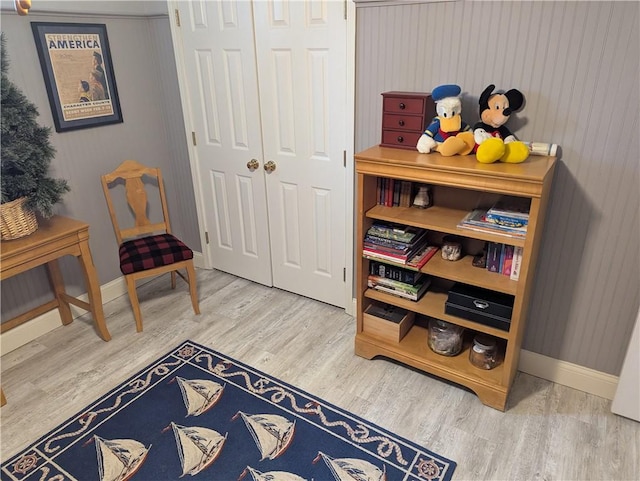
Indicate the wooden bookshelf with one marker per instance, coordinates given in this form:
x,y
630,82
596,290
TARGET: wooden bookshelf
x,y
459,183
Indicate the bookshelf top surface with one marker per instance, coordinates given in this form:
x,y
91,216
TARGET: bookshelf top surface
x,y
534,169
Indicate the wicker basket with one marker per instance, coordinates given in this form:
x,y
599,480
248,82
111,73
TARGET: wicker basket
x,y
16,220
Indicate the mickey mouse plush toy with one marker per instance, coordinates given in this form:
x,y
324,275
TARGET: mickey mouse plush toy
x,y
493,140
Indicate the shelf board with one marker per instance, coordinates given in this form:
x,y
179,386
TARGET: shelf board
x,y
438,218
432,305
413,350
462,270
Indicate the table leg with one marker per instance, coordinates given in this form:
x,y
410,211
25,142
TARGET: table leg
x,y
3,400
57,283
93,289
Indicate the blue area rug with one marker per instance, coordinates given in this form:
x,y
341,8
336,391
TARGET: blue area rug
x,y
199,413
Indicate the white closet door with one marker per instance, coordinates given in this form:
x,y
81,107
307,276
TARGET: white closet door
x,y
301,51
627,399
219,61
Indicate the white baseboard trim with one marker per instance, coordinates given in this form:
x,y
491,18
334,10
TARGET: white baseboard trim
x,y
562,372
24,333
568,374
352,308
554,370
198,260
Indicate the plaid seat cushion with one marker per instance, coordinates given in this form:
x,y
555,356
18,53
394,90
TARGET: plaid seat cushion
x,y
152,251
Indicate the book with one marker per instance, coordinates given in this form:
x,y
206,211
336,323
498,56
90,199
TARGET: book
x,y
516,206
392,272
372,238
396,193
509,212
379,255
394,255
389,193
399,289
516,264
406,187
506,220
415,263
389,230
493,257
476,220
507,252
422,257
392,245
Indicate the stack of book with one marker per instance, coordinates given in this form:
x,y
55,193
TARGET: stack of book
x,y
478,221
397,281
504,259
399,244
509,213
401,193
394,192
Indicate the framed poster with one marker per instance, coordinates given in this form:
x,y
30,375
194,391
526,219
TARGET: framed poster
x,y
78,73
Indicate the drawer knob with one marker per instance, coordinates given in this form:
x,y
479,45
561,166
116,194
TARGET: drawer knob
x,y
402,106
401,123
400,138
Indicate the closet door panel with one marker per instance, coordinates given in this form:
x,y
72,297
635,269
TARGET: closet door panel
x,y
222,84
301,56
283,102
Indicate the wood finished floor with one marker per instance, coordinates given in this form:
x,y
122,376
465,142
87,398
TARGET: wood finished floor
x,y
549,432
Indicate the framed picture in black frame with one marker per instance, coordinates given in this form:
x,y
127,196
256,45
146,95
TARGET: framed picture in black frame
x,y
78,74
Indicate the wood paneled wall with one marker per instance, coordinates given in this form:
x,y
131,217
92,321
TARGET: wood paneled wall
x,y
577,65
152,133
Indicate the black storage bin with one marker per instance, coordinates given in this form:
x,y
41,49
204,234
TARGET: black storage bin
x,y
480,305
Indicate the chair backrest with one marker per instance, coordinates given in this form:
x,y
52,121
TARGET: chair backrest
x,y
132,172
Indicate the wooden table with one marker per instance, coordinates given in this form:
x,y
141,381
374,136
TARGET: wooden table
x,y
55,237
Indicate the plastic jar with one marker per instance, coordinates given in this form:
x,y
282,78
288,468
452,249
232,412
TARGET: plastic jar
x,y
445,338
451,248
483,353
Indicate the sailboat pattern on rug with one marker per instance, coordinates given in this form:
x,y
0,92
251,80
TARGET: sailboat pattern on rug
x,y
198,447
181,417
119,459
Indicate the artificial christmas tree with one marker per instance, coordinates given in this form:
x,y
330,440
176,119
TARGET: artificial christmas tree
x,y
25,157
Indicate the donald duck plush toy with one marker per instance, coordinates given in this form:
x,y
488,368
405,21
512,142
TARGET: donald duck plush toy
x,y
447,133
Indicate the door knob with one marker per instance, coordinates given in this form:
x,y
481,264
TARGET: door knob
x,y
253,164
270,166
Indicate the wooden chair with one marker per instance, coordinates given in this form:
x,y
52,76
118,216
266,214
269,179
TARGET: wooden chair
x,y
147,249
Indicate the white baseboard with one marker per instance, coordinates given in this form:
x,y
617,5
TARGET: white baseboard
x,y
198,260
24,333
568,374
554,370
352,308
563,372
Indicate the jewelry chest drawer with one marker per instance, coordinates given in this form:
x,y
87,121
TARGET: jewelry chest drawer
x,y
404,117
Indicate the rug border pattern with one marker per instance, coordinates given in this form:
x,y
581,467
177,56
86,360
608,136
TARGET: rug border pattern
x,y
414,461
